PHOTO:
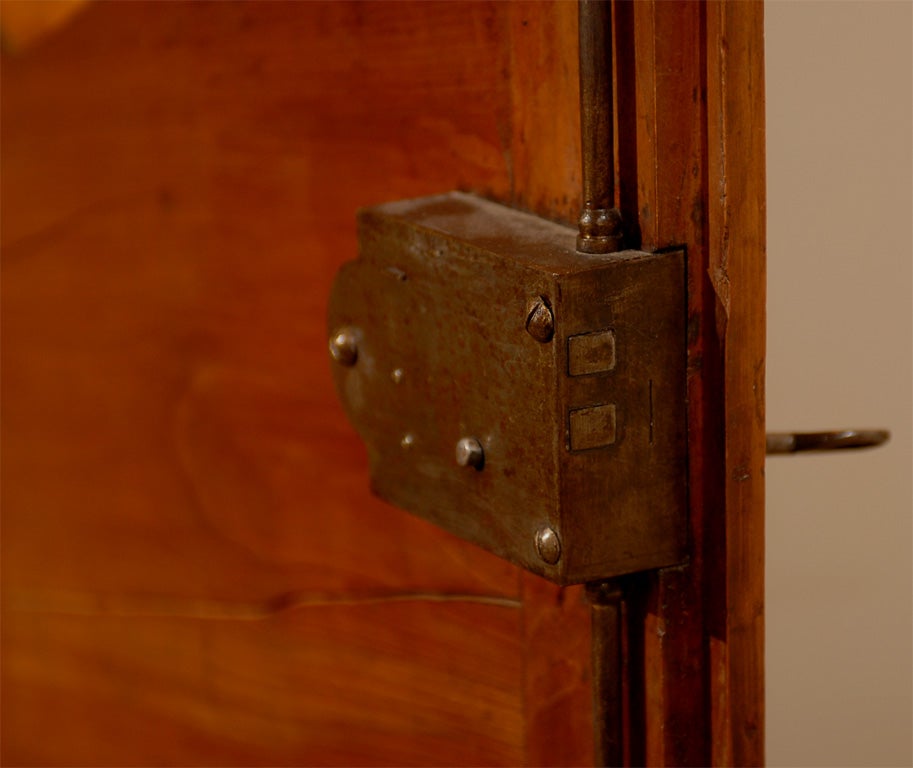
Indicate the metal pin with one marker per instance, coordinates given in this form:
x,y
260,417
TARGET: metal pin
x,y
469,453
540,322
600,223
344,347
548,545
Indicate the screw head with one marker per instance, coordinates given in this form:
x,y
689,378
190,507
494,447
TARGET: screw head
x,y
469,453
548,545
344,347
540,322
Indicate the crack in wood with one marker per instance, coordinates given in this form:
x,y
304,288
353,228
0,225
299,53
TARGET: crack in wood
x,y
164,606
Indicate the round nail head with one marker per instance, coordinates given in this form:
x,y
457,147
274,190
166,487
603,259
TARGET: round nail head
x,y
469,453
540,322
548,545
344,348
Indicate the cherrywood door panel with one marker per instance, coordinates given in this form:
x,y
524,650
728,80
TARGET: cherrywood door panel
x,y
194,570
694,166
322,684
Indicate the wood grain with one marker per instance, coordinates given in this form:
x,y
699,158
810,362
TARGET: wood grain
x,y
545,159
692,173
193,569
662,195
23,23
558,687
737,229
279,689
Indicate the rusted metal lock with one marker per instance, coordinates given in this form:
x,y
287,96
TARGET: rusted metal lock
x,y
522,395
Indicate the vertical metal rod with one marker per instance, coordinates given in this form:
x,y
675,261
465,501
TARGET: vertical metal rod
x,y
600,231
600,226
608,672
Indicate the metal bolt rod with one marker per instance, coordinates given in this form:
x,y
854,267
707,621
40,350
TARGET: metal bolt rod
x,y
600,225
609,670
796,442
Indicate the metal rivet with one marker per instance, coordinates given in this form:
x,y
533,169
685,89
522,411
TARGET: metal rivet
x,y
397,375
548,545
408,440
469,453
344,347
540,322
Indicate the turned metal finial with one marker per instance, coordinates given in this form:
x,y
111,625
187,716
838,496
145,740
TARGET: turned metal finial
x,y
600,225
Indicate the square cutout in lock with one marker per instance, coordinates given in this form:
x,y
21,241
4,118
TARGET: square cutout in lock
x,y
590,353
592,427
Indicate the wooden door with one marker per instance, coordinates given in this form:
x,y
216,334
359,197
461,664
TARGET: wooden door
x,y
194,570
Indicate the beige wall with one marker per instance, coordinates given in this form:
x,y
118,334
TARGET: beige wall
x,y
840,250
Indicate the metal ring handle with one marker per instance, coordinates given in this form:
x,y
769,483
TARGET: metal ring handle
x,y
795,442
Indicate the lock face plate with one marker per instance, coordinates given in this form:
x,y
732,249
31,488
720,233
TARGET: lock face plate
x,y
519,394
